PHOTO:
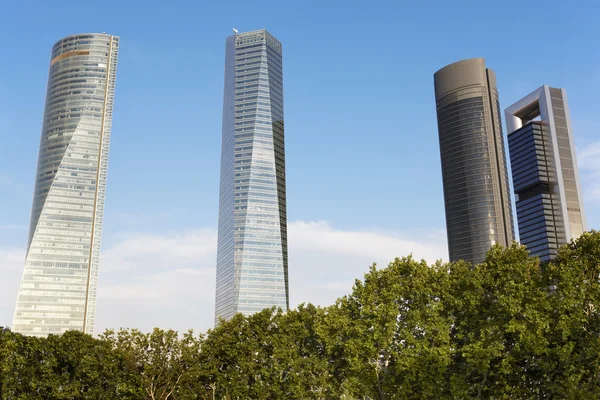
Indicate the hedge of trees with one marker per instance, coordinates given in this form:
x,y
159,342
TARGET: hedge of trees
x,y
507,328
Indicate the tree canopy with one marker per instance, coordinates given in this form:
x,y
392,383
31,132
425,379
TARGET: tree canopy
x,y
506,328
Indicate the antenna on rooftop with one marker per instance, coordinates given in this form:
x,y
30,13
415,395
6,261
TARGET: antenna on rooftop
x,y
235,31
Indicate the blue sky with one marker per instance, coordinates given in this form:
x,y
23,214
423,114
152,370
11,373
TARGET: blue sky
x,y
362,151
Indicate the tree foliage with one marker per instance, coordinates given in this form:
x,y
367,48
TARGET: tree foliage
x,y
506,328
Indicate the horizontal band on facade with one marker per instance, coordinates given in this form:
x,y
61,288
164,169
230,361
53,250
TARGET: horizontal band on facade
x,y
73,53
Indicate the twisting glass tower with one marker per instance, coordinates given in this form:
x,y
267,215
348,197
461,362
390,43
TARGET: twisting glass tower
x,y
58,288
252,262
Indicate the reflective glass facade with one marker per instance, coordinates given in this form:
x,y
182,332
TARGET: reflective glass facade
x,y
544,169
474,172
252,262
58,288
536,207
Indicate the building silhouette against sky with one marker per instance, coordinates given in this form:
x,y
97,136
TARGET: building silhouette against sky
x,y
544,171
252,261
58,288
474,173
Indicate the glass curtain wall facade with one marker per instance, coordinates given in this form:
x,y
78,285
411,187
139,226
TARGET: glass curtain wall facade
x,y
544,170
252,261
474,172
58,288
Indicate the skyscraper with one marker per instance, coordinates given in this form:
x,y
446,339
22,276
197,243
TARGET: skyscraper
x,y
474,173
544,170
252,261
58,288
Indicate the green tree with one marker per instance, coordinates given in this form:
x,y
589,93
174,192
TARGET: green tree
x,y
390,337
87,368
238,357
302,369
573,365
499,309
70,366
506,328
164,366
26,371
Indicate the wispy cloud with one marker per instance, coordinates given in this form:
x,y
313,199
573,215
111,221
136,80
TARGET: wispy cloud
x,y
321,235
159,251
168,280
15,227
11,269
325,261
589,166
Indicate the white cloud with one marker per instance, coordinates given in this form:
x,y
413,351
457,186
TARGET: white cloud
x,y
589,166
181,299
164,251
11,269
168,280
157,280
324,262
320,235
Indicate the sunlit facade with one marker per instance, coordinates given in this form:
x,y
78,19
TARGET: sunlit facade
x,y
544,170
58,288
252,262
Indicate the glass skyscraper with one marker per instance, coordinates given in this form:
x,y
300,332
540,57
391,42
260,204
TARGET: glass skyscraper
x,y
474,173
252,260
544,170
58,288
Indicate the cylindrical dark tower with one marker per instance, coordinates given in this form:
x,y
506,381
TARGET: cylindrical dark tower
x,y
476,190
